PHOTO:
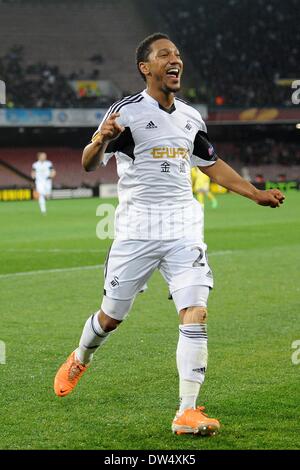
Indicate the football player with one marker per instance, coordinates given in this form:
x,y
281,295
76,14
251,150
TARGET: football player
x,y
156,138
42,173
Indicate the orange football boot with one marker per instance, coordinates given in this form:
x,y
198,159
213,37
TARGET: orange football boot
x,y
68,375
196,422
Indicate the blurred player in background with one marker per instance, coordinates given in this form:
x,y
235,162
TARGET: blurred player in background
x,y
43,173
156,138
201,187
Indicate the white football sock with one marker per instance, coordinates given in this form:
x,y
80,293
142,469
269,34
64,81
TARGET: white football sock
x,y
92,337
42,203
188,392
191,359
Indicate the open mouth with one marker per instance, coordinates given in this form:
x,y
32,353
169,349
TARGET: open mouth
x,y
173,72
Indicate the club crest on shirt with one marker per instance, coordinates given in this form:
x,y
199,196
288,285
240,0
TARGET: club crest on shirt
x,y
188,127
115,282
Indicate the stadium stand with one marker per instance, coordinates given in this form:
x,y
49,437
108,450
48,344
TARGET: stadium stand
x,y
266,158
44,45
230,66
66,161
11,179
266,152
240,52
44,51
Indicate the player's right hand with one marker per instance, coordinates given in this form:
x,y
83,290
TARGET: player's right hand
x,y
110,129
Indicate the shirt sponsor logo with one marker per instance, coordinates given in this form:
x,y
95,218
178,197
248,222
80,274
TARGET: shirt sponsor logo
x,y
182,168
169,152
165,167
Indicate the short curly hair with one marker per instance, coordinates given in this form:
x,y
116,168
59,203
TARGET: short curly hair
x,y
144,48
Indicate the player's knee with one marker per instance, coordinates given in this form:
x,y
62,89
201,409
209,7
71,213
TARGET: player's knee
x,y
107,323
113,311
195,314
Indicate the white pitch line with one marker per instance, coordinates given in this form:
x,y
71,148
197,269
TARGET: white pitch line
x,y
222,253
81,268
52,250
44,271
79,250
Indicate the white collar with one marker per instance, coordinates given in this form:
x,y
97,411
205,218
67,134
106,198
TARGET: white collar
x,y
154,102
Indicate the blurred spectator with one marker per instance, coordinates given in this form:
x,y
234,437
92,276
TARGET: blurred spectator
x,y
42,85
191,95
260,152
96,58
239,48
259,178
219,100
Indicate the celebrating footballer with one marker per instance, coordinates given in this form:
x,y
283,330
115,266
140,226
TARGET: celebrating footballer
x,y
156,138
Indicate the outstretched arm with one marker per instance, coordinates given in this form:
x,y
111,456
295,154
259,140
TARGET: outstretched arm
x,y
226,176
93,153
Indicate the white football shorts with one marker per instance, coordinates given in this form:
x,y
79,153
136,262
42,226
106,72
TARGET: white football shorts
x,y
44,187
130,263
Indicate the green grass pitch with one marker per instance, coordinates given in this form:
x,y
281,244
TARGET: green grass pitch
x,y
128,397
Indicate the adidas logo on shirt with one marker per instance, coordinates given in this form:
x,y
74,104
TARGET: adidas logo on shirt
x,y
151,125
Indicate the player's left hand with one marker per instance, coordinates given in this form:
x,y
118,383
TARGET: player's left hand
x,y
270,197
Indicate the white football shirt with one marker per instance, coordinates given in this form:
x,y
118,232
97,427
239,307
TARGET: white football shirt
x,y
42,170
154,156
